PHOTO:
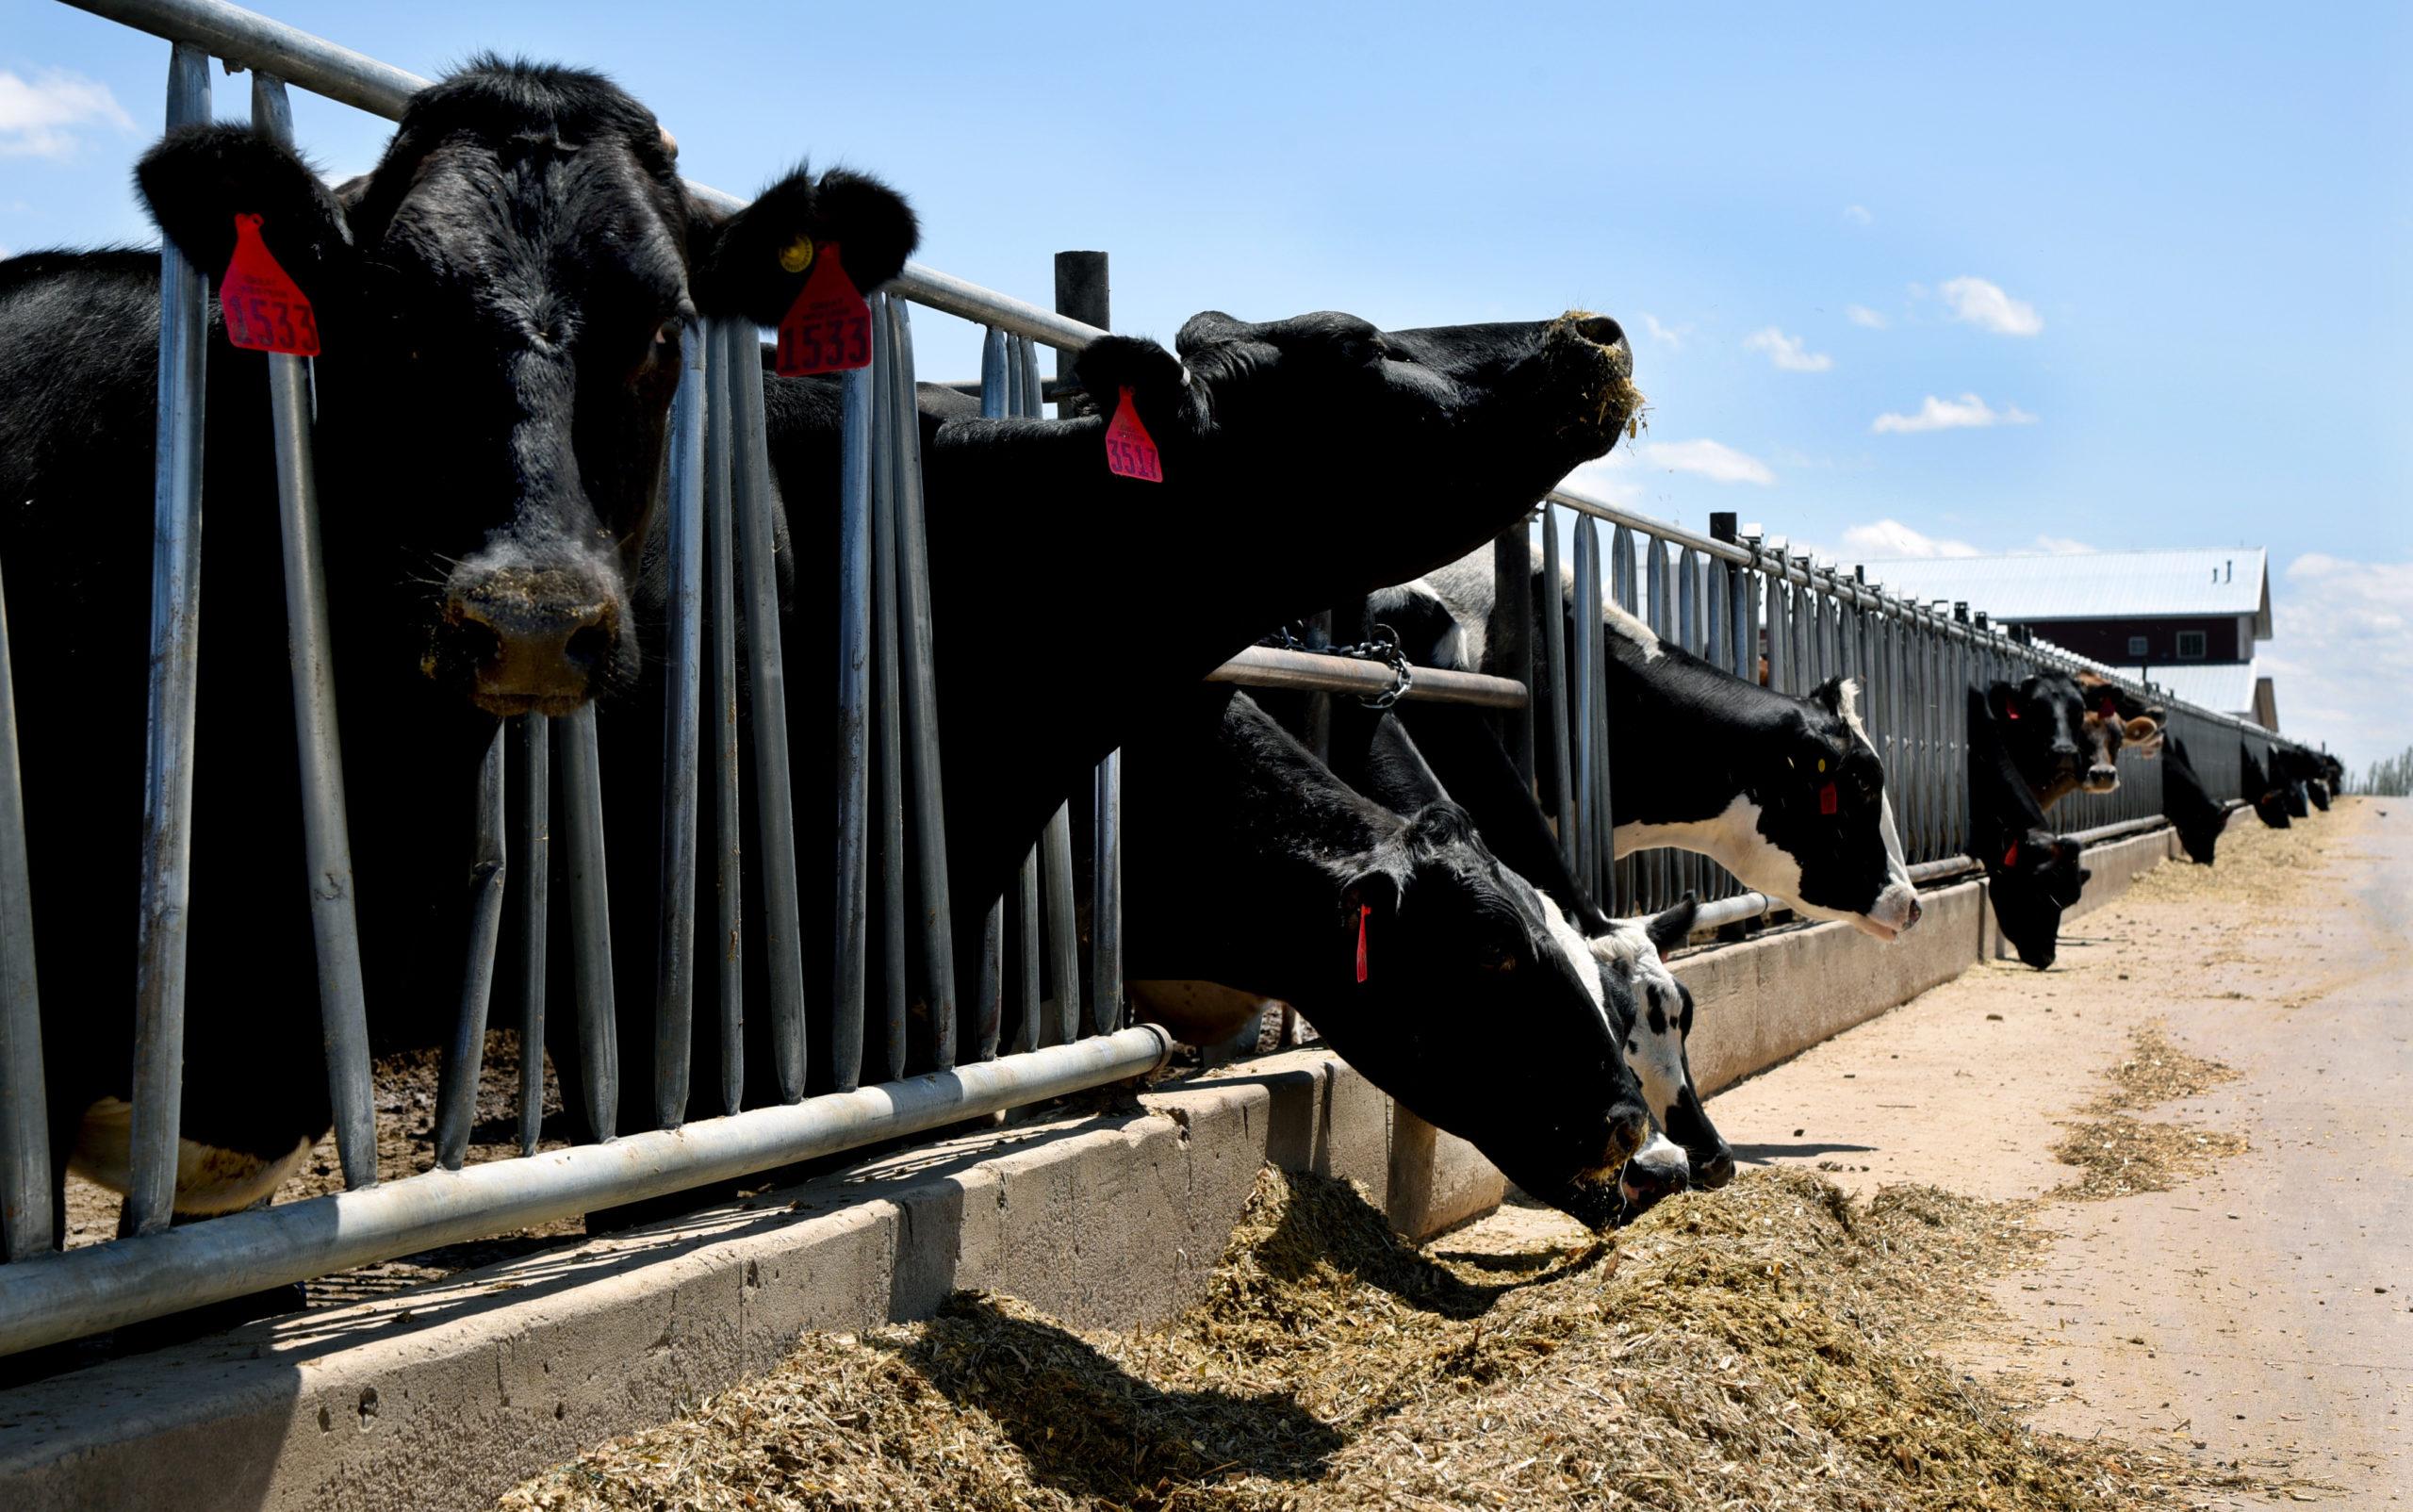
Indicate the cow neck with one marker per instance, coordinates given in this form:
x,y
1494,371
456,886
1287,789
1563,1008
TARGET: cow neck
x,y
2002,808
1674,724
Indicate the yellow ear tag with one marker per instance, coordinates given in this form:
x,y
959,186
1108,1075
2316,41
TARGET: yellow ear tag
x,y
797,255
1822,763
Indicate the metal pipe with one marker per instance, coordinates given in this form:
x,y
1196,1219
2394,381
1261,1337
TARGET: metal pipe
x,y
989,990
767,684
56,1297
253,40
1026,924
1063,928
731,341
175,667
866,736
1274,667
926,821
590,924
674,960
1552,678
1512,636
535,890
457,1089
1587,754
26,1215
326,840
1105,900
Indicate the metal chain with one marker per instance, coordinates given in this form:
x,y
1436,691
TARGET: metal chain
x,y
1384,647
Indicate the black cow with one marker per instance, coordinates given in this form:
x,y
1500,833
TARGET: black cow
x,y
2262,789
1426,965
2199,817
499,304
1651,1011
2306,776
2031,872
2044,726
1052,577
1730,770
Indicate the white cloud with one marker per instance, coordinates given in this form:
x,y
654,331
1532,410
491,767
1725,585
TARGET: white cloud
x,y
1968,412
2056,546
35,114
1987,307
1862,315
2342,648
1609,479
1672,334
1787,352
1713,460
1889,538
1858,214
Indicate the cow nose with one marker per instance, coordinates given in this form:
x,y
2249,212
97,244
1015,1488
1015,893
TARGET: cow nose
x,y
1601,331
536,638
1628,1127
1917,913
1715,1171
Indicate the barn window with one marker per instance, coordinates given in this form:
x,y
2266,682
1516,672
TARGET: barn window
x,y
2137,644
2190,643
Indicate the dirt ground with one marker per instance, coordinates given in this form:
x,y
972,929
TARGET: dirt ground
x,y
2264,1307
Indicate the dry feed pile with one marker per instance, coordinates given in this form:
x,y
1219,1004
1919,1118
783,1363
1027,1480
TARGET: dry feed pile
x,y
1759,1347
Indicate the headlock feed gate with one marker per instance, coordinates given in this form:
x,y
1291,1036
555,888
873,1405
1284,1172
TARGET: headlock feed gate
x,y
1036,1019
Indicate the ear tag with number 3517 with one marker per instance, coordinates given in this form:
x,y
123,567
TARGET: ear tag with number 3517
x,y
1130,450
265,310
829,327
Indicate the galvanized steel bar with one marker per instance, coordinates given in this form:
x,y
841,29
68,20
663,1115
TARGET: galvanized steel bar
x,y
1027,989
1606,890
535,891
927,818
1277,666
1062,927
1587,754
869,770
176,665
887,734
1552,678
56,1297
590,924
731,342
457,1089
766,674
245,38
674,960
1511,637
989,992
326,839
26,1216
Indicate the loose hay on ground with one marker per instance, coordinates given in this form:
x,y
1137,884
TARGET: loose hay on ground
x,y
1761,1347
2118,1156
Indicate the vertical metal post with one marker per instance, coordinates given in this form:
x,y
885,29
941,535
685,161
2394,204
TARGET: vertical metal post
x,y
886,770
732,341
1605,890
1064,942
926,824
456,1089
590,924
1553,681
175,664
989,993
535,887
1623,878
674,960
1588,755
775,799
1512,636
1026,986
326,840
26,1216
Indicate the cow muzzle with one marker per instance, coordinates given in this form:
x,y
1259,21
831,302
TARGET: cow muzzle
x,y
1897,908
533,639
2101,778
1589,353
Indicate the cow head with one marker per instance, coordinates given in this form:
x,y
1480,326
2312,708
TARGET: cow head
x,y
500,303
1330,411
2199,817
2057,742
2262,788
1823,826
1455,997
2139,722
1655,1017
2032,876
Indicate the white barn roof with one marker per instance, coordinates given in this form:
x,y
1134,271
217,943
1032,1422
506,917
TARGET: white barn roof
x,y
2093,585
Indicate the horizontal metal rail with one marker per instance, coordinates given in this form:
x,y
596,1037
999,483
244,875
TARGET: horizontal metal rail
x,y
55,1297
1274,667
1743,906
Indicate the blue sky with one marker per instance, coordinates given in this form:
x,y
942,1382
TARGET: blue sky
x,y
2120,276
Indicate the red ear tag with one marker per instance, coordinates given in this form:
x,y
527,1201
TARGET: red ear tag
x,y
2011,857
1827,799
1362,911
265,310
1131,452
829,327
2010,711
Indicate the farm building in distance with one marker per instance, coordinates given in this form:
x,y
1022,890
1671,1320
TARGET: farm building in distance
x,y
2187,620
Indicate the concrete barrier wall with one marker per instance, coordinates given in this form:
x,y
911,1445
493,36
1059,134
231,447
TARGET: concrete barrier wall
x,y
444,1396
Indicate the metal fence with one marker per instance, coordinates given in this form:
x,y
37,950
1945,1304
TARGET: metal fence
x,y
1055,1027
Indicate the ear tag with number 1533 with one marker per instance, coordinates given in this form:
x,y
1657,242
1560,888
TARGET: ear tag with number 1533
x,y
1130,450
265,310
829,327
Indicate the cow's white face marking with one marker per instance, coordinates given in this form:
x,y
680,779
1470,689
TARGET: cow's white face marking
x,y
1658,1168
1654,1045
1577,950
209,1179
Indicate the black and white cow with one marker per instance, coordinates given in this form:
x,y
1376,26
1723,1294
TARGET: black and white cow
x,y
1649,1010
2262,788
1787,794
1428,966
2031,872
1270,436
497,305
2199,818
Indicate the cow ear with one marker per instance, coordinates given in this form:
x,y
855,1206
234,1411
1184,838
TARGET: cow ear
x,y
2140,731
1829,696
1438,824
755,262
1999,698
1375,888
1674,926
199,178
1169,404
